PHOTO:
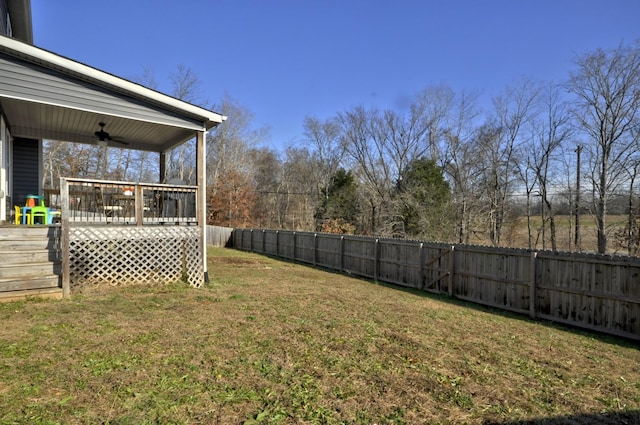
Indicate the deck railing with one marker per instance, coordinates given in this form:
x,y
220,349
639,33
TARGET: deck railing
x,y
123,203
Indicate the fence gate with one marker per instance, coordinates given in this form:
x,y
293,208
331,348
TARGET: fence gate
x,y
438,270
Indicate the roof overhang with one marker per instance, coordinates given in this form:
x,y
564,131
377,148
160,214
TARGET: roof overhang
x,y
47,96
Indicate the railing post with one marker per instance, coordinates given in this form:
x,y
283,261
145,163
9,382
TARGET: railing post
x,y
138,204
64,237
532,285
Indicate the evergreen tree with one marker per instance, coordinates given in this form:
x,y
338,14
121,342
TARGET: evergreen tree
x,y
339,210
422,202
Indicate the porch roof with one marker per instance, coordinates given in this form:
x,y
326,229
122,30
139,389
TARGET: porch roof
x,y
48,96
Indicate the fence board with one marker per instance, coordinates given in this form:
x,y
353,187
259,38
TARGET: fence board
x,y
218,236
328,248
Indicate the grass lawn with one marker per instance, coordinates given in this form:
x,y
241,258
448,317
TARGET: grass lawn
x,y
276,343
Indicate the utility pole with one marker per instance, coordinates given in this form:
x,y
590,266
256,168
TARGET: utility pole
x,y
577,202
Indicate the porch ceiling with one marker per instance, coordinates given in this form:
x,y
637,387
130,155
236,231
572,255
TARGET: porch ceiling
x,y
47,96
42,121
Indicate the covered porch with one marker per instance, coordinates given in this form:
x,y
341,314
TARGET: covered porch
x,y
111,231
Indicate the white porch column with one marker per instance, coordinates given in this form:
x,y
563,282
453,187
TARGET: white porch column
x,y
4,165
201,170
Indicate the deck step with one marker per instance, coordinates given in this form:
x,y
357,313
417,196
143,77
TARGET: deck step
x,y
13,232
28,256
30,262
45,268
51,293
20,283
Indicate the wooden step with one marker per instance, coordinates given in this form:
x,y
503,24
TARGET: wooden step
x,y
50,293
29,237
32,282
48,268
13,232
27,256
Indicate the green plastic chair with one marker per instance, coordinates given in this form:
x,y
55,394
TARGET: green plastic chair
x,y
38,212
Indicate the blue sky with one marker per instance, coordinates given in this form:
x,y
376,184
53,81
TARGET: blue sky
x,y
284,59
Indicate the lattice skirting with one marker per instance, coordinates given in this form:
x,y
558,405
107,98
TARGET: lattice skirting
x,y
125,255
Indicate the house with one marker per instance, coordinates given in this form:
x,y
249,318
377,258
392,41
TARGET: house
x,y
110,231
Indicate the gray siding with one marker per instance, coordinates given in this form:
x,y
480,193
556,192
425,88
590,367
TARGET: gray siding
x,y
26,81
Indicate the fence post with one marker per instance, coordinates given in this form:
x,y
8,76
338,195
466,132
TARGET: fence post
x,y
375,259
264,237
421,265
295,258
277,243
251,241
341,253
532,285
452,268
315,248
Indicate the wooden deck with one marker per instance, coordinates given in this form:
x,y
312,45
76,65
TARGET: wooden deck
x,y
111,233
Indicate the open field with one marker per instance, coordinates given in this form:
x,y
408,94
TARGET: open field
x,y
515,234
276,343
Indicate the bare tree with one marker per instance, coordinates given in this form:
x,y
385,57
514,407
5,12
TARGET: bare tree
x,y
186,86
513,109
327,151
366,154
267,179
460,163
296,193
54,155
606,85
228,145
550,131
380,145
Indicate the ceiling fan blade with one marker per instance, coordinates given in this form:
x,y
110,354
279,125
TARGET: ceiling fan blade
x,y
122,142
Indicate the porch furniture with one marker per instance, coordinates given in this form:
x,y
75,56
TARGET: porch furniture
x,y
18,215
54,215
108,209
126,203
38,212
26,215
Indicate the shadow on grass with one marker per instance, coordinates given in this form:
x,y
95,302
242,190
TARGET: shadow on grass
x,y
600,336
620,418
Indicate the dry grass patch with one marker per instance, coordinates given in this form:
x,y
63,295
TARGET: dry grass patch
x,y
278,343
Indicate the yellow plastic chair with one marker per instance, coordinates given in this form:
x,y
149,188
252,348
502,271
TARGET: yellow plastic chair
x,y
18,218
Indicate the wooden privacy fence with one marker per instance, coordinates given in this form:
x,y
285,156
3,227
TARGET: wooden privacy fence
x,y
218,236
595,292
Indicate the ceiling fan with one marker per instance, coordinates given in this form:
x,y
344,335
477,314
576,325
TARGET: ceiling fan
x,y
103,136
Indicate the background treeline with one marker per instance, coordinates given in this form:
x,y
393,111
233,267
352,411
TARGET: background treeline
x,y
550,165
